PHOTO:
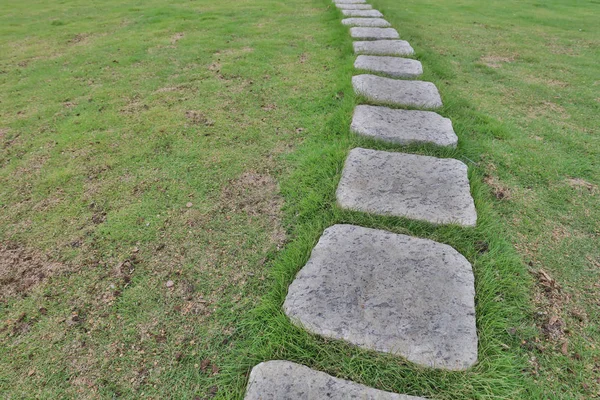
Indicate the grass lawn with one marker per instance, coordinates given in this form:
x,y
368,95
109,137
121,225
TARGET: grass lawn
x,y
166,168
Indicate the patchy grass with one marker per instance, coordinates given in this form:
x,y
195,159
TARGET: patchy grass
x,y
148,149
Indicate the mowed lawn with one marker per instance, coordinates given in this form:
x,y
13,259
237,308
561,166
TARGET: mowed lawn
x,y
166,168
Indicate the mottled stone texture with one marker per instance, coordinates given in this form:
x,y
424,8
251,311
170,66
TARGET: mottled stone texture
x,y
383,47
387,292
362,13
366,22
284,380
424,188
350,1
403,126
396,67
393,91
354,6
373,33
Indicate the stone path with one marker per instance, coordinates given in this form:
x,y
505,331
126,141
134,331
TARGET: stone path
x,y
373,33
403,126
383,48
391,293
366,22
424,188
401,93
284,380
382,291
362,13
354,6
396,67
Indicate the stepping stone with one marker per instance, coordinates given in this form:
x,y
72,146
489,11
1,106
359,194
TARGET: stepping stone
x,y
383,48
354,6
362,13
366,22
350,1
392,293
424,188
396,67
373,33
403,126
285,380
397,92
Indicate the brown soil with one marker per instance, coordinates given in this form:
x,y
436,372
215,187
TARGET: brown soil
x,y
22,269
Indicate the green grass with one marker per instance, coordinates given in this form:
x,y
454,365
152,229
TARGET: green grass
x,y
112,121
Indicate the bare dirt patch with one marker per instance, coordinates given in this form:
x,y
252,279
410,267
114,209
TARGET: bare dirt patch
x,y
177,37
494,61
578,183
22,269
500,191
256,195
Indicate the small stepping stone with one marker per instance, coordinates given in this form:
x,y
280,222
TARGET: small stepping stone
x,y
350,1
366,22
285,380
403,126
362,13
383,48
393,91
354,6
392,293
396,67
373,33
424,188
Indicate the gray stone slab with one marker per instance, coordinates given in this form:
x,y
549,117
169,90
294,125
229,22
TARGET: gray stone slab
x,y
285,380
396,67
403,126
366,22
392,293
350,1
393,91
373,33
383,47
354,6
362,13
424,188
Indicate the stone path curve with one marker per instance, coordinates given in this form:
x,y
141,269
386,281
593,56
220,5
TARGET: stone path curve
x,y
408,296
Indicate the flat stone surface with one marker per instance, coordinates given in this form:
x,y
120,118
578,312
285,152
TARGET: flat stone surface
x,y
393,91
392,293
354,6
350,1
396,67
424,188
403,126
373,33
366,22
285,380
362,13
383,47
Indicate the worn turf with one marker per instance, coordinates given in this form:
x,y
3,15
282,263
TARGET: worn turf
x,y
146,149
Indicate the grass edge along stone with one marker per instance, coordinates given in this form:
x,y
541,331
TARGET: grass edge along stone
x,y
278,379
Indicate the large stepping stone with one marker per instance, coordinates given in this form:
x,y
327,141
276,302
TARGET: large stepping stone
x,y
373,33
383,47
354,6
350,1
285,380
424,188
392,293
362,13
396,67
366,22
392,91
403,126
